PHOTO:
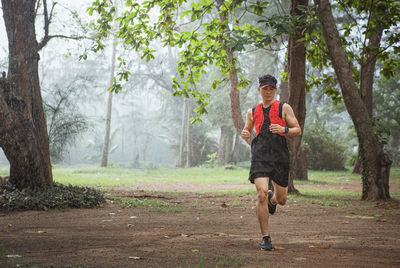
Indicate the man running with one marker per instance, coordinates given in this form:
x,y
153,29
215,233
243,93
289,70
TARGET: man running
x,y
272,120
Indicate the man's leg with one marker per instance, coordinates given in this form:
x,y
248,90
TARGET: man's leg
x,y
262,203
280,194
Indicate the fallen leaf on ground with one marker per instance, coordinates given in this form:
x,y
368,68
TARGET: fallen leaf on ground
x,y
381,220
195,250
221,234
184,235
278,248
41,232
360,217
135,258
320,246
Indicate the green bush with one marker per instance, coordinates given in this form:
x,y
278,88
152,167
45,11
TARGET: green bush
x,y
46,197
324,153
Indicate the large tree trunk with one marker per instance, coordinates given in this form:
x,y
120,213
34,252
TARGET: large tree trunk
x,y
375,162
301,172
297,95
106,144
367,80
24,137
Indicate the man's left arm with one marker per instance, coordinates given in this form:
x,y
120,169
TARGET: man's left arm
x,y
291,121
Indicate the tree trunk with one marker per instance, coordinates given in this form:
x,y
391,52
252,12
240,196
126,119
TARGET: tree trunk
x,y
357,164
222,146
228,146
234,94
182,137
234,152
106,144
23,133
297,83
284,87
301,167
366,82
188,135
375,162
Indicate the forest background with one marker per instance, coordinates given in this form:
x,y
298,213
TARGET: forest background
x,y
150,127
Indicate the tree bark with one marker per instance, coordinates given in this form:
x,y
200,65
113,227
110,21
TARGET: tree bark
x,y
228,146
297,95
284,87
106,144
375,162
234,152
222,146
302,164
23,136
367,80
357,164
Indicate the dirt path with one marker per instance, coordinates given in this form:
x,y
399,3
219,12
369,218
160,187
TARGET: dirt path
x,y
201,231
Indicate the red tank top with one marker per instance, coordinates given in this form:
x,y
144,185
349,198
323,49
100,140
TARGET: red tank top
x,y
273,117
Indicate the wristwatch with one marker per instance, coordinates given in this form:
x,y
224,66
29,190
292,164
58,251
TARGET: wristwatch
x,y
286,130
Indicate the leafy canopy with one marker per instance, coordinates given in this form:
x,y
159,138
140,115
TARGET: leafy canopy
x,y
202,30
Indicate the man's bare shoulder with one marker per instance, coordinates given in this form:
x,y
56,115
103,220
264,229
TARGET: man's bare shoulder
x,y
286,107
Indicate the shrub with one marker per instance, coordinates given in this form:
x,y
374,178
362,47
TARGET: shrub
x,y
46,197
324,153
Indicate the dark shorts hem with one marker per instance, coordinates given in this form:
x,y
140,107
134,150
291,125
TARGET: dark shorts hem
x,y
276,171
266,176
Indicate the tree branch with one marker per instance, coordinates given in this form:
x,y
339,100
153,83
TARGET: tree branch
x,y
47,20
49,37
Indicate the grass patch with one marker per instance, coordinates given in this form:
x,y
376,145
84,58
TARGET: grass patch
x,y
235,192
113,177
236,203
331,198
154,205
395,174
224,261
228,261
129,177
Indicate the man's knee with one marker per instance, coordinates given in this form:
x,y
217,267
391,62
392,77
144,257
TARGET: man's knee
x,y
262,196
281,200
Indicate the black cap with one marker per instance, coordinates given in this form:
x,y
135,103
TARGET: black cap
x,y
267,80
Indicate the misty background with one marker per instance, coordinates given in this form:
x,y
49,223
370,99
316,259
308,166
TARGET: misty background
x,y
146,122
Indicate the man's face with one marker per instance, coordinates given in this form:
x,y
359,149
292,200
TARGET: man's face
x,y
267,92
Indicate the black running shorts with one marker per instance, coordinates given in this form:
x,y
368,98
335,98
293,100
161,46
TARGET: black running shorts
x,y
277,171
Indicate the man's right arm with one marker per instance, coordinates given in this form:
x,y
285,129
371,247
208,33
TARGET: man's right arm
x,y
248,127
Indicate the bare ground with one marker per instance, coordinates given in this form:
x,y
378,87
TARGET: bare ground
x,y
202,230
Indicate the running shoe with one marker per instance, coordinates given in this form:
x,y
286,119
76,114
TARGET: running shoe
x,y
266,243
